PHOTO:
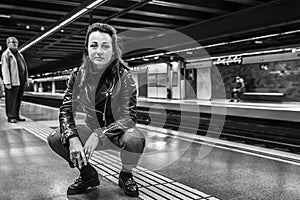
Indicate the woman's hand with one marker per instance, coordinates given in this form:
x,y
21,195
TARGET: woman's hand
x,y
77,152
91,145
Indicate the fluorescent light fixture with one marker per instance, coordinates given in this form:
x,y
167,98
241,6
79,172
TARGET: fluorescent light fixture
x,y
258,42
295,50
5,16
290,32
62,24
161,3
95,3
50,59
75,16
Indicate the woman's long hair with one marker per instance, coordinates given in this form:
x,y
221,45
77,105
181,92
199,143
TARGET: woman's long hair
x,y
117,52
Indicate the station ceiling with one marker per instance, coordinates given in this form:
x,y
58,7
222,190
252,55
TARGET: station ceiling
x,y
221,26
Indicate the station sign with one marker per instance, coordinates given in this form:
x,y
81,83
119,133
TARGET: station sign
x,y
228,60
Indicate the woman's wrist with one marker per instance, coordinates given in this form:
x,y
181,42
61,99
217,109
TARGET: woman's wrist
x,y
72,138
100,133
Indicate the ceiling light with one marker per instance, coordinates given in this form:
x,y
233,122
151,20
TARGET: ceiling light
x,y
65,22
5,16
95,3
27,27
295,50
50,59
42,28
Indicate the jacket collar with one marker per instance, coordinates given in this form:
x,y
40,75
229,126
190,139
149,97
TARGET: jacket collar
x,y
11,54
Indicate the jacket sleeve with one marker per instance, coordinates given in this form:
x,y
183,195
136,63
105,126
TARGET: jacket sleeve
x,y
5,68
128,102
66,118
26,69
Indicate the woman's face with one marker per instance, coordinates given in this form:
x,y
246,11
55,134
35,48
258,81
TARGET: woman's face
x,y
100,48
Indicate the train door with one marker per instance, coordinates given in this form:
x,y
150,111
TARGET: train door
x,y
174,80
203,83
191,83
140,77
157,80
142,84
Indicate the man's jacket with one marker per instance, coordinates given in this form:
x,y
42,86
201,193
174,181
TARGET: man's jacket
x,y
108,102
10,70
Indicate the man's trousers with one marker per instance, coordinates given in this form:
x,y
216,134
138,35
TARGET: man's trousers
x,y
13,98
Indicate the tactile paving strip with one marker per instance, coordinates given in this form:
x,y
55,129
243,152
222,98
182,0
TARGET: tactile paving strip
x,y
153,186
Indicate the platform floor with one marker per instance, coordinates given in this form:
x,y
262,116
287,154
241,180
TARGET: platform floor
x,y
175,165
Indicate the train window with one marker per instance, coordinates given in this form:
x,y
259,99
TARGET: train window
x,y
175,79
157,80
152,80
162,80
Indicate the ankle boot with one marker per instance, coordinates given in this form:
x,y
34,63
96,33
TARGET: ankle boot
x,y
88,178
128,185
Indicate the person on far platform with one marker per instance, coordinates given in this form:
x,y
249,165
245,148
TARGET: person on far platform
x,y
239,88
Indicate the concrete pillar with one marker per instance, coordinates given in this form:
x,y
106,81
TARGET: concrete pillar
x,y
35,87
53,87
40,87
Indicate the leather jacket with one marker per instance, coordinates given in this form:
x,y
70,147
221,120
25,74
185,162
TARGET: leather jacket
x,y
109,103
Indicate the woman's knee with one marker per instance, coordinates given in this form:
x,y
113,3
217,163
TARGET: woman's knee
x,y
134,141
54,139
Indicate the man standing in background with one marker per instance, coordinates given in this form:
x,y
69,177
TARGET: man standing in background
x,y
15,75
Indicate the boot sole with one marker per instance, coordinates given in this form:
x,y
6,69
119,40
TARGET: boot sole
x,y
89,184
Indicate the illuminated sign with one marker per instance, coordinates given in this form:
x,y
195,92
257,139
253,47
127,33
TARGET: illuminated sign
x,y
227,60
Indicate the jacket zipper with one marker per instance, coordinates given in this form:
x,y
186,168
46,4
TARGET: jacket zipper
x,y
104,111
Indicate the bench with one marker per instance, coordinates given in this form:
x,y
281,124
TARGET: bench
x,y
266,96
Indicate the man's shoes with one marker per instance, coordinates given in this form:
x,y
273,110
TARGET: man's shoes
x,y
129,186
82,184
231,100
12,120
20,119
238,100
